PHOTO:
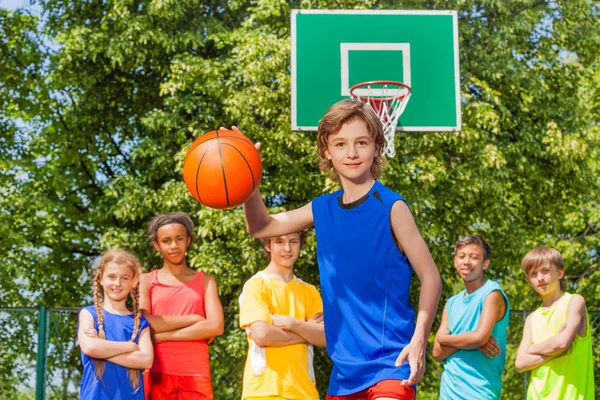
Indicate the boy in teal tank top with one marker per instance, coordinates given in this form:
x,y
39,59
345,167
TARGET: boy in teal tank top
x,y
472,336
556,344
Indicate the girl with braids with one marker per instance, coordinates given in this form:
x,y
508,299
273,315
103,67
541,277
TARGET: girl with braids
x,y
184,309
115,343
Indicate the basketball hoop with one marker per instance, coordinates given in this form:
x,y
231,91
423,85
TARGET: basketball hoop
x,y
388,99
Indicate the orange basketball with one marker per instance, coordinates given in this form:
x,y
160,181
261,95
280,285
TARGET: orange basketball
x,y
222,169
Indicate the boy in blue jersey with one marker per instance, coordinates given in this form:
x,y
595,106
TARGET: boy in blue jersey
x,y
367,247
472,335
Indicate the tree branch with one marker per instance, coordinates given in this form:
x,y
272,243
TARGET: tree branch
x,y
91,178
88,253
585,273
118,149
535,5
108,169
87,172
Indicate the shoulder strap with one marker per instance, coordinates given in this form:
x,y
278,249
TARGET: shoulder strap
x,y
564,306
198,279
154,276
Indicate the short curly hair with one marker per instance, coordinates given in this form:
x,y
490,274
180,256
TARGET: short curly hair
x,y
338,115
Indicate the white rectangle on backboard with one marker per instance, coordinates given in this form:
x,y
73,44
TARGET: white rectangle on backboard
x,y
345,48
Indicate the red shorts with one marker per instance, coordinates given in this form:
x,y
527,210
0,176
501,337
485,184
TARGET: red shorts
x,y
389,388
159,386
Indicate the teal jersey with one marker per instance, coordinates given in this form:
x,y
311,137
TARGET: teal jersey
x,y
470,374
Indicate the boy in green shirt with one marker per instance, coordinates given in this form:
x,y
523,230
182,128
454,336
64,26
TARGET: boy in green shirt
x,y
556,344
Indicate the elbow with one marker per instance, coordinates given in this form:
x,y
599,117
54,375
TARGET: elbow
x,y
147,363
256,228
519,366
255,233
437,353
480,340
259,337
91,350
436,281
219,328
251,231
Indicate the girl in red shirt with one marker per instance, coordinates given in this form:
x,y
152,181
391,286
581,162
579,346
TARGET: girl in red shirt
x,y
184,310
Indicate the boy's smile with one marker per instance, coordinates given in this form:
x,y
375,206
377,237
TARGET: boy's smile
x,y
470,263
352,149
285,250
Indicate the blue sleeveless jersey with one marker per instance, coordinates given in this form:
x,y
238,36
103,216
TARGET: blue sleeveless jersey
x,y
115,383
365,283
470,374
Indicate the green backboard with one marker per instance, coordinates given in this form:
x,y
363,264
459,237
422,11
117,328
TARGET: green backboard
x,y
332,50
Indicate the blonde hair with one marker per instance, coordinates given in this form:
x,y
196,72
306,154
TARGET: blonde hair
x,y
335,118
120,257
541,256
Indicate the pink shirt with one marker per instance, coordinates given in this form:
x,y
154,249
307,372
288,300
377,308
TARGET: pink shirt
x,y
188,358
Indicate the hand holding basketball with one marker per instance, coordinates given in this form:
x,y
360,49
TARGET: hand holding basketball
x,y
257,145
222,169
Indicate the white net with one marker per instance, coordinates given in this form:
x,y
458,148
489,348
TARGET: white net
x,y
388,100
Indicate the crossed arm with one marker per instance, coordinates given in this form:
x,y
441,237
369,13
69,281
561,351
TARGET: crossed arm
x,y
445,344
287,330
126,354
185,327
531,356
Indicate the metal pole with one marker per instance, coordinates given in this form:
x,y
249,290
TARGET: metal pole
x,y
40,384
526,374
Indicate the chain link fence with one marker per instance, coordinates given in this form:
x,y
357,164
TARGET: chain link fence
x,y
39,357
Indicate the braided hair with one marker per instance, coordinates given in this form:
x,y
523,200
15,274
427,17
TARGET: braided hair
x,y
120,257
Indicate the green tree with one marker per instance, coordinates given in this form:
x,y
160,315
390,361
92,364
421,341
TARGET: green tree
x,y
100,101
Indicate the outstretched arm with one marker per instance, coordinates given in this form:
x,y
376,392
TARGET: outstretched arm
x,y
261,225
162,323
313,332
410,240
576,324
525,361
207,328
141,359
441,352
494,308
93,346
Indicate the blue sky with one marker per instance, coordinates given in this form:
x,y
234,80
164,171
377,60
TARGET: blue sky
x,y
12,4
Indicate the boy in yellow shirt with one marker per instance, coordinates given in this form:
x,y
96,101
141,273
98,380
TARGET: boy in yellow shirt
x,y
283,318
556,344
